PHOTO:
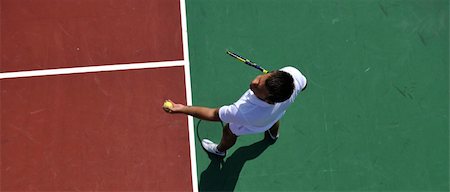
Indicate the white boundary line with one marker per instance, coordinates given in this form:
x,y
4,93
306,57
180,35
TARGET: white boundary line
x,y
90,69
187,75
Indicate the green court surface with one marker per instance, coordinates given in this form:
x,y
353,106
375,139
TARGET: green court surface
x,y
374,116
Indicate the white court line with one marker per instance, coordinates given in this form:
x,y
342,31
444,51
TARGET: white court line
x,y
91,69
187,75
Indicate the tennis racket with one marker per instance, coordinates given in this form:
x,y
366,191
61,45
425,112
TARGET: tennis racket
x,y
246,61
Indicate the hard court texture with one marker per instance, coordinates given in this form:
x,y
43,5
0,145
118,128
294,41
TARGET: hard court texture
x,y
374,116
53,34
103,131
97,131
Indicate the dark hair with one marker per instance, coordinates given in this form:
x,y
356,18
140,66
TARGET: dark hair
x,y
280,85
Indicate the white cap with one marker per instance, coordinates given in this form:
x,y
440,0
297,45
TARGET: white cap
x,y
299,78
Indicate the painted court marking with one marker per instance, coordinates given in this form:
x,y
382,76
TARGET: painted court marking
x,y
187,75
119,67
90,69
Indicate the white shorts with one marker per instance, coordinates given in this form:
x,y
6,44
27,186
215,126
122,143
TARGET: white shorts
x,y
239,130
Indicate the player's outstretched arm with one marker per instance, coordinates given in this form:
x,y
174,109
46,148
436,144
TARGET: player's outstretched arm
x,y
205,113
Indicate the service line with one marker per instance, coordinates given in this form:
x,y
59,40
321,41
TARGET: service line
x,y
91,69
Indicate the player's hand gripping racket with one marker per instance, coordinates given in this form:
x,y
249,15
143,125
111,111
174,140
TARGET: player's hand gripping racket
x,y
248,62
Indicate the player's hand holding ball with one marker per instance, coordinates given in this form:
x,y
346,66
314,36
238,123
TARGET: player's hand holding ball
x,y
171,107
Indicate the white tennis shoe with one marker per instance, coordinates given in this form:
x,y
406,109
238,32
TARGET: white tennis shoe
x,y
211,147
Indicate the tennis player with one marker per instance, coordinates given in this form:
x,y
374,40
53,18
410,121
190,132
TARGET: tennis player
x,y
258,110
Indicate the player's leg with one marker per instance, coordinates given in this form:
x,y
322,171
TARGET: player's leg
x,y
273,131
228,139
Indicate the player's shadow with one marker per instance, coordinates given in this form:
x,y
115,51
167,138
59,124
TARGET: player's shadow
x,y
223,175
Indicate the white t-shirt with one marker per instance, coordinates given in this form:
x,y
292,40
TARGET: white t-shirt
x,y
251,115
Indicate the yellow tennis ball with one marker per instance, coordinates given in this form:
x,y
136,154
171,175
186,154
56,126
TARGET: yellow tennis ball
x,y
168,104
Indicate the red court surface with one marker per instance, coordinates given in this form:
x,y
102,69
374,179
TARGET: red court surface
x,y
100,131
48,34
96,131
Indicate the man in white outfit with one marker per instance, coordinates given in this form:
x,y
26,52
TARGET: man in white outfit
x,y
258,110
